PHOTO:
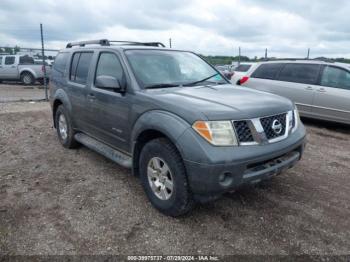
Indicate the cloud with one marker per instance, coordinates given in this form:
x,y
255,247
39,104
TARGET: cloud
x,y
286,28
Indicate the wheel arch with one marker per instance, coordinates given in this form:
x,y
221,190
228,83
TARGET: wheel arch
x,y
60,98
152,125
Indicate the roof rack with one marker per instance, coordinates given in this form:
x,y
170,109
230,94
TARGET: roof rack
x,y
106,42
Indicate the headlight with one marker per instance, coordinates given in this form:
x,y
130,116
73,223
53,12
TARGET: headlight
x,y
218,133
296,119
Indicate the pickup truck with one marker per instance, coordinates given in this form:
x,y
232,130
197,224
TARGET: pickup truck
x,y
21,68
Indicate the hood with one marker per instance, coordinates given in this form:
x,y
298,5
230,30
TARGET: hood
x,y
222,102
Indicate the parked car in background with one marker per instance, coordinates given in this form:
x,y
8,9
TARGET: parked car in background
x,y
183,129
21,68
320,89
240,71
226,70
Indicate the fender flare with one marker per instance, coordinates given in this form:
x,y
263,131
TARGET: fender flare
x,y
60,95
169,124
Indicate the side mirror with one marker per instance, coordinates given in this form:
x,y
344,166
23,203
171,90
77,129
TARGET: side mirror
x,y
108,82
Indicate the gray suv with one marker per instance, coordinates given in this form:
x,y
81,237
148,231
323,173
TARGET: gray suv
x,y
173,119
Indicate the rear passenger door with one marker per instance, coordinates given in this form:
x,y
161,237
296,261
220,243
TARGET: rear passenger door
x,y
109,110
332,98
299,82
79,68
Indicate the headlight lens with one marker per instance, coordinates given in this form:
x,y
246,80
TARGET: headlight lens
x,y
218,133
296,119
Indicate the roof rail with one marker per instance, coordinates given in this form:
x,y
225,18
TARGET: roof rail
x,y
106,42
103,42
157,44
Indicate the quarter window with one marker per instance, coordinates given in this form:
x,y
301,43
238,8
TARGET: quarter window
x,y
267,71
300,73
109,65
60,62
9,60
335,77
80,67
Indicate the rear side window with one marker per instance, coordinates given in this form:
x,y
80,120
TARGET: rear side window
x,y
335,77
267,71
300,73
9,60
0,60
242,68
26,60
80,67
60,62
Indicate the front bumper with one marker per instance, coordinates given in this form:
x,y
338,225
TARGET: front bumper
x,y
211,174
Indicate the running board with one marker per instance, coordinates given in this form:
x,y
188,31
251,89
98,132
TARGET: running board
x,y
105,150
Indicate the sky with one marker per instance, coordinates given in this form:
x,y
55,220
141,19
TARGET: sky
x,y
209,27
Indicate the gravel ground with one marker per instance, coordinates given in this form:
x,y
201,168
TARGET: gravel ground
x,y
59,201
13,92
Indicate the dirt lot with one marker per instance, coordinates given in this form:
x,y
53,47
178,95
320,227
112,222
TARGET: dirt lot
x,y
59,201
14,92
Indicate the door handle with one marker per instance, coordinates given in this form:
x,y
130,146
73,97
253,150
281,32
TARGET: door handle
x,y
13,66
309,88
322,90
91,96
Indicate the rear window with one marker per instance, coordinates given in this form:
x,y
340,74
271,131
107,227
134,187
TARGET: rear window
x,y
300,73
243,68
267,71
60,62
26,60
80,67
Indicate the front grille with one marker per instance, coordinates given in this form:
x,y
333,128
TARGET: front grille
x,y
243,131
267,124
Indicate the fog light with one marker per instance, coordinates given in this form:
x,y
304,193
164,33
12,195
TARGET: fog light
x,y
225,179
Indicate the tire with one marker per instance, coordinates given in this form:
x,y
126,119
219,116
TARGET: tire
x,y
175,202
63,121
27,78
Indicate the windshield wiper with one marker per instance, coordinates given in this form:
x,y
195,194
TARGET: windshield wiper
x,y
160,86
200,81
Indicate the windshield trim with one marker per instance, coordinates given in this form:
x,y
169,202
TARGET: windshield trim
x,y
142,87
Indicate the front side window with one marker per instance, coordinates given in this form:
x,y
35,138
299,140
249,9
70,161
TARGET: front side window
x,y
9,60
0,60
162,67
109,65
335,77
267,71
80,67
300,73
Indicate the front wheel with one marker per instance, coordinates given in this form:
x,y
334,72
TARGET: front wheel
x,y
164,178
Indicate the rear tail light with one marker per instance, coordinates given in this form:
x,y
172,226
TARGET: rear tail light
x,y
243,80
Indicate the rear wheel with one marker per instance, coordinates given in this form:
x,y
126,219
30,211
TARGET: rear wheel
x,y
27,78
164,178
64,128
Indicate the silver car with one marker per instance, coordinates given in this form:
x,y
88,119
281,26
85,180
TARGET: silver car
x,y
320,89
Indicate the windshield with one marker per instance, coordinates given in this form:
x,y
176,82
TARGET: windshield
x,y
162,68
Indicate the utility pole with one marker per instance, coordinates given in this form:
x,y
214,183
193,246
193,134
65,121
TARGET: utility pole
x,y
43,57
265,53
239,55
308,53
170,42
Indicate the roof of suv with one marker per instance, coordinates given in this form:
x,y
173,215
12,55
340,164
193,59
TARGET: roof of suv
x,y
308,61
